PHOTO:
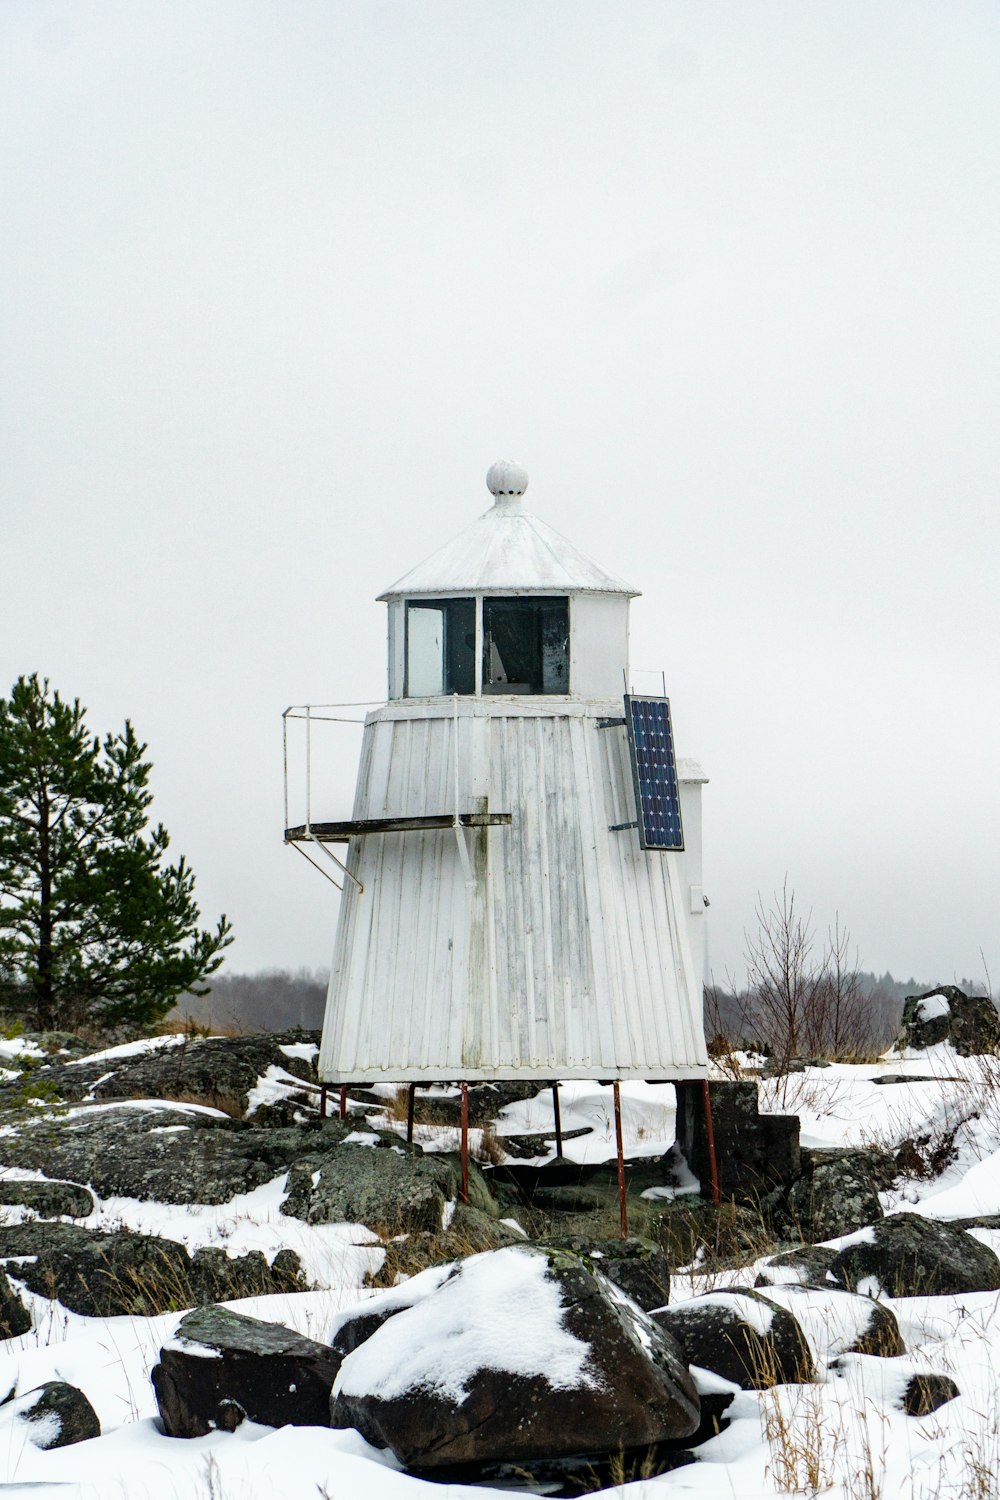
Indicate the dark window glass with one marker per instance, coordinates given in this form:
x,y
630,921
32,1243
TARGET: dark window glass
x,y
526,645
440,646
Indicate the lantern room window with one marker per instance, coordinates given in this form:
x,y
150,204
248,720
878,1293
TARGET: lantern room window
x,y
440,647
526,645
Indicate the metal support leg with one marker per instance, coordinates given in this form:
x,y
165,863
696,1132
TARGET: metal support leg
x,y
322,1101
411,1095
621,1160
713,1166
465,1143
558,1115
343,1102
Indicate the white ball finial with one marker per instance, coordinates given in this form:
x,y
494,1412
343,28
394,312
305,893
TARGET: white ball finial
x,y
506,480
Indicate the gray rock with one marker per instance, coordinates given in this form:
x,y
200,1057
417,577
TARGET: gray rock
x,y
49,1200
55,1415
104,1275
631,1386
222,1367
910,1256
741,1336
806,1264
637,1266
838,1195
392,1191
971,1022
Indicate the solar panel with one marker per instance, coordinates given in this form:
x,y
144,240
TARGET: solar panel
x,y
654,772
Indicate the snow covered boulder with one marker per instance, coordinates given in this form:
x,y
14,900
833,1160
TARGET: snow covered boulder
x,y
52,1416
221,1367
906,1255
836,1321
740,1335
947,1014
515,1355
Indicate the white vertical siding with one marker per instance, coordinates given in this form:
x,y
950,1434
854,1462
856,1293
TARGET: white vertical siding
x,y
569,955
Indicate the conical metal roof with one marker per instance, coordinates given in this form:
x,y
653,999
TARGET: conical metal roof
x,y
507,550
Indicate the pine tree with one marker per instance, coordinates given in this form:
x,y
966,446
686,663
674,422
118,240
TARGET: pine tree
x,y
94,926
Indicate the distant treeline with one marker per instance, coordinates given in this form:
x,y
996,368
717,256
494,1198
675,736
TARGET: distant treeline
x,y
277,1000
273,1000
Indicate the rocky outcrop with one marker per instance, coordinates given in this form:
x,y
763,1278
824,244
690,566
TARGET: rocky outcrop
x,y
215,1071
105,1275
906,1255
53,1415
740,1335
970,1023
516,1355
48,1200
221,1368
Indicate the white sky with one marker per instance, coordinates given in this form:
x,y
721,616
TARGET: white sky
x,y
280,280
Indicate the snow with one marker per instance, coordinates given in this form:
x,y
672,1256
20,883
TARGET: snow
x,y
440,1342
933,1007
756,1314
850,1417
133,1049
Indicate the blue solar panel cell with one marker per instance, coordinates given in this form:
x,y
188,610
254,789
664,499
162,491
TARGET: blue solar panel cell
x,y
654,772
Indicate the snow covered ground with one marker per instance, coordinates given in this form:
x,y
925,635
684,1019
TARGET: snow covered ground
x,y
841,1436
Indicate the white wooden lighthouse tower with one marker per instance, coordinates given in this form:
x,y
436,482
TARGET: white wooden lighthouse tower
x,y
525,854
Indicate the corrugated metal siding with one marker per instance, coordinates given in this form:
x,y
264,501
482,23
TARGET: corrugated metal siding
x,y
569,955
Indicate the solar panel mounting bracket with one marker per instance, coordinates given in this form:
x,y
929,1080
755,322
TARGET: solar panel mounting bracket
x,y
617,827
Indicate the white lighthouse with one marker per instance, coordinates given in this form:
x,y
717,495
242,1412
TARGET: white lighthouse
x,y
524,853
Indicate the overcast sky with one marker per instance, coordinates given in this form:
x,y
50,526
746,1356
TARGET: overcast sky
x,y
280,280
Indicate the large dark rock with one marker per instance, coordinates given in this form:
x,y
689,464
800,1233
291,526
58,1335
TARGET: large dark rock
x,y
740,1335
392,1191
221,1368
107,1274
906,1255
838,1195
518,1354
637,1266
53,1415
947,1014
49,1200
753,1152
14,1316
359,1323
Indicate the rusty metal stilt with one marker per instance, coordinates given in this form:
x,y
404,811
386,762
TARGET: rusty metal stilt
x,y
623,1210
343,1102
713,1166
322,1101
465,1143
558,1116
411,1094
